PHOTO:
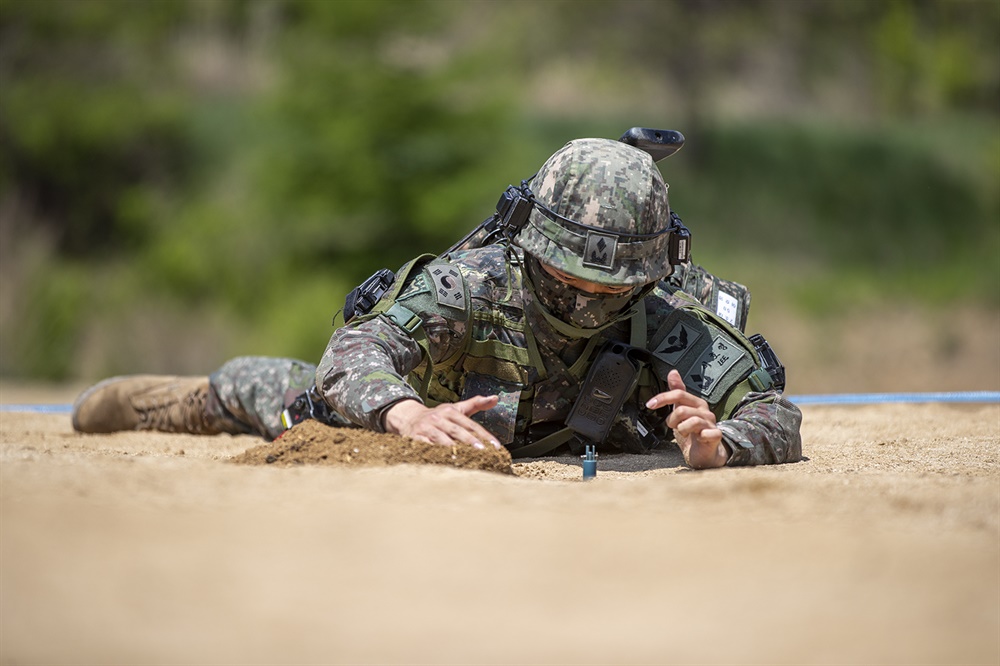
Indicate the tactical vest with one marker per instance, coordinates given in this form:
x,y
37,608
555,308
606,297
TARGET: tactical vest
x,y
479,293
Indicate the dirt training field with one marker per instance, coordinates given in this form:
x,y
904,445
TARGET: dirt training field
x,y
882,547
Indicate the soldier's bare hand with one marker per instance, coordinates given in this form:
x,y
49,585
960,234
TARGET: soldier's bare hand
x,y
446,424
693,423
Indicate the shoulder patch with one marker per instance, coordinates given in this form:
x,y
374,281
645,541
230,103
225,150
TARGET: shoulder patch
x,y
696,342
678,341
713,364
449,287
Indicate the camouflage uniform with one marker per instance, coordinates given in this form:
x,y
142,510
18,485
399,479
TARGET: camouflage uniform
x,y
250,392
491,321
369,366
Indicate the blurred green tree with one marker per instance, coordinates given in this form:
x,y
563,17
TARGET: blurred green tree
x,y
254,159
91,126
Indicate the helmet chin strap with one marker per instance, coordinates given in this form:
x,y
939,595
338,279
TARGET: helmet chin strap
x,y
578,332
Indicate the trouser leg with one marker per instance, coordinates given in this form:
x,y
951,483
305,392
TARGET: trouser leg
x,y
254,390
245,396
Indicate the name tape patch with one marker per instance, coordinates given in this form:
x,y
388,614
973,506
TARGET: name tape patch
x,y
728,308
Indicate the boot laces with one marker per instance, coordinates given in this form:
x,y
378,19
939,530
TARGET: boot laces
x,y
175,412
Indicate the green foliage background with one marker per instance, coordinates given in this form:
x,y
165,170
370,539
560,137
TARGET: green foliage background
x,y
186,180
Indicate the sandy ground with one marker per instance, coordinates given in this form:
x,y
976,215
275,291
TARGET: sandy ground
x,y
882,548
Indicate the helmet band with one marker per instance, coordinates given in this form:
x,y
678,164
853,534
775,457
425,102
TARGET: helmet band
x,y
569,224
598,247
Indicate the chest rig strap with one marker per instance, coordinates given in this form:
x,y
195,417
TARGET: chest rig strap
x,y
612,379
411,323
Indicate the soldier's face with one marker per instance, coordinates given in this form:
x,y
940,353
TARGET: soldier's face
x,y
575,301
584,285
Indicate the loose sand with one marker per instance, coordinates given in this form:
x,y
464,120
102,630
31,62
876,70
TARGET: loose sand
x,y
138,548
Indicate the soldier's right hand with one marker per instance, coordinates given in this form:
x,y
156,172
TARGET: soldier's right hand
x,y
446,424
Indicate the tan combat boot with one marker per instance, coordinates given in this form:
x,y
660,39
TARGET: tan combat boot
x,y
147,402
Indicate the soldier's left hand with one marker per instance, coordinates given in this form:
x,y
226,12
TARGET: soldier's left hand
x,y
693,423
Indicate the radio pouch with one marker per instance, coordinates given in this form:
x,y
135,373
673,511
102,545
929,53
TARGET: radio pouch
x,y
611,380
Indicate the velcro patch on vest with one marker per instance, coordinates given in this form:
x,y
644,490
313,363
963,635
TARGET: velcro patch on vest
x,y
600,250
713,365
681,338
449,287
416,285
710,361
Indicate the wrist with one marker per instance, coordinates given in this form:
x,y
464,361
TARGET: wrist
x,y
701,455
397,416
722,454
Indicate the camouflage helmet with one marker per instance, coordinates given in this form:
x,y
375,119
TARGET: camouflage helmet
x,y
600,213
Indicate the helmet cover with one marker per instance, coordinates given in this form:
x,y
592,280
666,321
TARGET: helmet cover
x,y
601,214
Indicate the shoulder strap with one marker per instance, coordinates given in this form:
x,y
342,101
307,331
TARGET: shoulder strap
x,y
545,445
404,317
551,442
402,275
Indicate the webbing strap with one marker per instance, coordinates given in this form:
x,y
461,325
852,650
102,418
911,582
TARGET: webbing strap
x,y
571,331
639,338
534,357
404,318
577,369
412,324
761,380
725,407
397,286
637,322
545,445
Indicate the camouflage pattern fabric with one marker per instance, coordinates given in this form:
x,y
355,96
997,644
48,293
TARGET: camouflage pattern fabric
x,y
368,366
763,430
253,391
730,300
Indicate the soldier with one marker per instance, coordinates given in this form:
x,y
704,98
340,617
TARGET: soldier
x,y
566,335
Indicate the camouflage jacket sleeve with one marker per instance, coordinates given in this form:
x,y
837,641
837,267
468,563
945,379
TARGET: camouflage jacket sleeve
x,y
763,430
364,368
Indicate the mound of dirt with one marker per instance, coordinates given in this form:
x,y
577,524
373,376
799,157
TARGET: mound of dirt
x,y
314,443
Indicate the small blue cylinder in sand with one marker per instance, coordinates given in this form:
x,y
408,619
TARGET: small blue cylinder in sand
x,y
590,462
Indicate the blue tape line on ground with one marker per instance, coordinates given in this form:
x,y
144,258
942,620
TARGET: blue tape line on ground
x,y
886,398
38,409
